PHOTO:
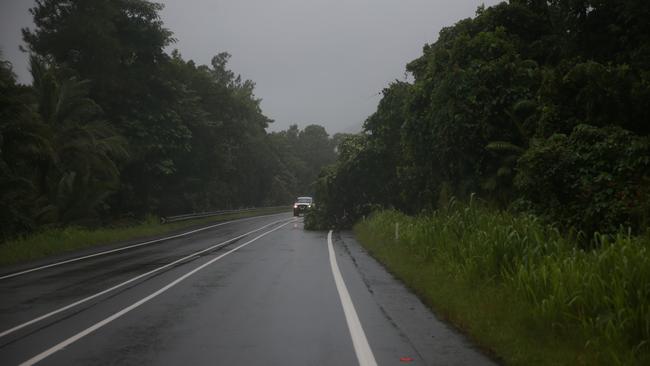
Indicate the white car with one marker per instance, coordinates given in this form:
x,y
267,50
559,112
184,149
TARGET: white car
x,y
302,205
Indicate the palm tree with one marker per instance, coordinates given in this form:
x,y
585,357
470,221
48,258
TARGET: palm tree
x,y
81,172
500,181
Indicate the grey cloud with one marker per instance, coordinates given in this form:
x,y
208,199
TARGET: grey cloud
x,y
314,61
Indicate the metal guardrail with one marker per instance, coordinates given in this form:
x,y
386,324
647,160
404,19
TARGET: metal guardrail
x,y
198,215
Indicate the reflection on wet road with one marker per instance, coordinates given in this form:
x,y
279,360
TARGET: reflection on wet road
x,y
252,292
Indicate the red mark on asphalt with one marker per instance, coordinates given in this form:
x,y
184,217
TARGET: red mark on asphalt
x,y
405,359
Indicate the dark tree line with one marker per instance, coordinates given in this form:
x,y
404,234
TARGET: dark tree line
x,y
114,128
540,105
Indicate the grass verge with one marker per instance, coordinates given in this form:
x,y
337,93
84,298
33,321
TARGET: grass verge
x,y
60,240
519,288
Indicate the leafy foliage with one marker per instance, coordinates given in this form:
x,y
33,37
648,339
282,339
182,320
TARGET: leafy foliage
x,y
594,179
488,103
113,127
20,139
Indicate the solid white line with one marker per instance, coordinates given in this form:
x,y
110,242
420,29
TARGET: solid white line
x,y
126,247
135,305
59,310
359,340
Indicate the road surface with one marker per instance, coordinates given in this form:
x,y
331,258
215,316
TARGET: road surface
x,y
258,291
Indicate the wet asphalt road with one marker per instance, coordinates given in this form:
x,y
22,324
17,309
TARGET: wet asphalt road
x,y
271,302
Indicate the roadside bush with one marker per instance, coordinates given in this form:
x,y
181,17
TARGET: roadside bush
x,y
346,190
315,220
596,179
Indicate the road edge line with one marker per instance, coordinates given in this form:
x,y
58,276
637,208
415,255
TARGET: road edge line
x,y
41,356
359,340
76,259
133,279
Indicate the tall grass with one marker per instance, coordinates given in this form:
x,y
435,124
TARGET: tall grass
x,y
520,287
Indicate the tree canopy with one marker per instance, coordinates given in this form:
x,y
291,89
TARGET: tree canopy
x,y
115,128
530,104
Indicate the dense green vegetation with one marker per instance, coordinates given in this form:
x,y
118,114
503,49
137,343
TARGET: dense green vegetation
x,y
540,108
521,288
539,105
113,128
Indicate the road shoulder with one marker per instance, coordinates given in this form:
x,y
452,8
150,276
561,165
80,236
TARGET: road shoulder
x,y
432,341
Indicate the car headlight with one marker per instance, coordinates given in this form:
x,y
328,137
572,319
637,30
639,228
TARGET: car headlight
x,y
295,205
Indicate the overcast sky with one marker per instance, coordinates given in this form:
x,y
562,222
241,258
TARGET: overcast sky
x,y
314,61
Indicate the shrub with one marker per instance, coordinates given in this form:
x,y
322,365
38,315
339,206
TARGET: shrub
x,y
596,179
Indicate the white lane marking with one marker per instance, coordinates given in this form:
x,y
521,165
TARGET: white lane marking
x,y
135,305
359,340
59,310
127,247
